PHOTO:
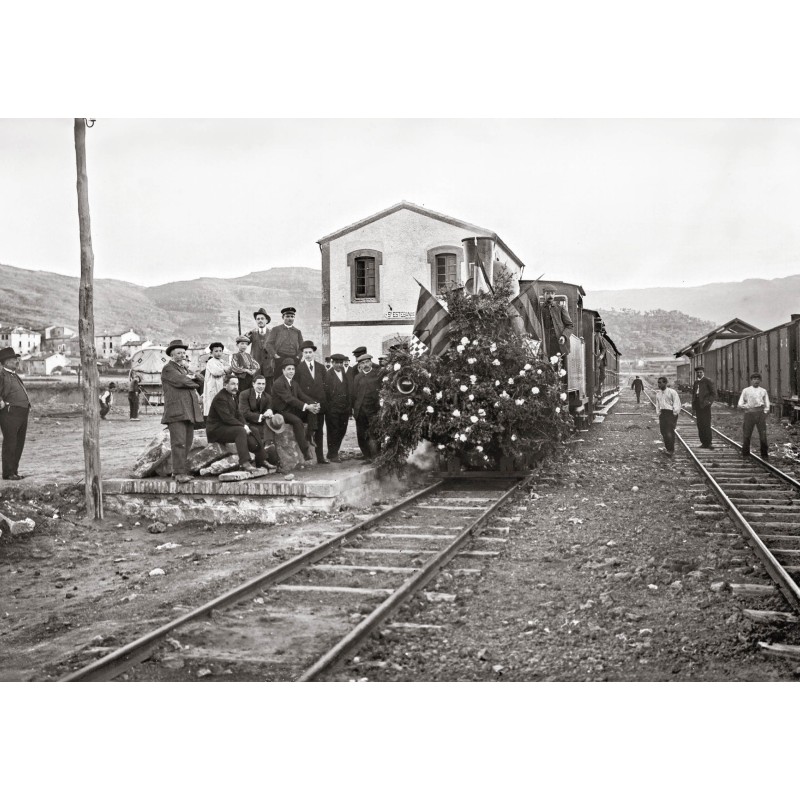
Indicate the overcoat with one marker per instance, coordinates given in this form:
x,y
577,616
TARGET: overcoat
x,y
284,342
260,352
562,324
338,393
313,387
223,412
288,397
365,392
181,401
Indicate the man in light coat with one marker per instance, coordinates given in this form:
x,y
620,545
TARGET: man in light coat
x,y
668,407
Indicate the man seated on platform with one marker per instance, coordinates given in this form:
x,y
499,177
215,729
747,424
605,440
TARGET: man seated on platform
x,y
225,424
295,406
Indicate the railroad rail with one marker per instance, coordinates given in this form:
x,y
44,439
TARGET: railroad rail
x,y
437,522
761,500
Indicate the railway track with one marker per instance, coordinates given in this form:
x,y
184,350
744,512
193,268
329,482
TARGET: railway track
x,y
339,592
762,501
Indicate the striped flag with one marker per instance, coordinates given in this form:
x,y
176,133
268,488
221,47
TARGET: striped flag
x,y
477,283
432,323
526,313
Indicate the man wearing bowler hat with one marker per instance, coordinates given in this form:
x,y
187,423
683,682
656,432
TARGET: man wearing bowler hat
x,y
366,405
15,406
338,401
310,378
258,346
182,409
285,341
703,396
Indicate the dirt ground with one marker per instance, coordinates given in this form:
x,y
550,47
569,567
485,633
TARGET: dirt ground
x,y
598,580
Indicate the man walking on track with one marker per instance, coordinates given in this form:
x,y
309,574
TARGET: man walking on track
x,y
703,396
668,407
15,407
755,402
637,387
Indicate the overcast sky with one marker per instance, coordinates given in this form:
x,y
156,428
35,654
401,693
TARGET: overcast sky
x,y
604,203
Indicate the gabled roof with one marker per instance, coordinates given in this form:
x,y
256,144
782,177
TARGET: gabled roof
x,y
733,329
476,230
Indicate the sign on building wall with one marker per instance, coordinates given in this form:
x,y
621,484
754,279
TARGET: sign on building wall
x,y
407,315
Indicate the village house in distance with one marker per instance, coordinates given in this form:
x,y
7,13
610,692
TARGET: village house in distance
x,y
369,296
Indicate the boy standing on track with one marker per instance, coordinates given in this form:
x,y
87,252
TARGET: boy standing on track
x,y
755,402
703,396
668,407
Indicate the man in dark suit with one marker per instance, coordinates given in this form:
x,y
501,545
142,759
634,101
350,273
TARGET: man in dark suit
x,y
703,396
258,345
310,377
338,402
182,409
15,406
557,324
637,387
353,369
293,404
285,341
225,424
255,408
366,406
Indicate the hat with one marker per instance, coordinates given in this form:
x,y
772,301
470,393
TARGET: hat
x,y
699,369
308,343
548,288
244,338
112,385
174,344
288,362
364,357
288,310
338,357
359,351
262,311
215,344
7,352
275,423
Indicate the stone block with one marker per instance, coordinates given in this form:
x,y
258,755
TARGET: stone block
x,y
208,455
243,475
289,455
223,465
155,453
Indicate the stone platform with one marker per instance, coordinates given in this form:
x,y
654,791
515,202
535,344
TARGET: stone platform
x,y
259,501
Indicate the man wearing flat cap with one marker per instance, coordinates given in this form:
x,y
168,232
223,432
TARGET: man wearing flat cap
x,y
703,396
293,404
258,348
15,406
366,406
353,369
338,402
244,366
557,324
285,341
182,409
310,377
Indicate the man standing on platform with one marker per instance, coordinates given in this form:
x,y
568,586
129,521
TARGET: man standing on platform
x,y
637,387
182,409
755,402
668,407
310,378
557,324
15,406
338,393
366,406
353,370
285,341
703,396
258,346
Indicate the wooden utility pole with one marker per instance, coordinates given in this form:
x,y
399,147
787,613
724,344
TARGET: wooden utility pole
x,y
93,488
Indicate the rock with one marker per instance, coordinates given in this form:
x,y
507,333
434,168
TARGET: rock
x,y
203,672
223,465
718,586
634,488
498,668
129,597
289,477
676,585
155,572
172,662
483,654
289,455
16,527
198,459
167,546
652,587
243,475
440,597
156,527
156,452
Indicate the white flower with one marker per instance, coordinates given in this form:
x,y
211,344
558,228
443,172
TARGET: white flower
x,y
473,378
438,395
522,373
463,388
504,394
475,341
471,360
554,359
429,409
426,390
460,348
492,347
513,437
519,402
464,340
486,458
511,381
385,438
471,396
528,366
538,372
404,418
481,412
558,410
497,383
563,396
562,373
456,413
385,378
473,418
496,405
441,447
535,390
496,362
463,437
380,402
396,367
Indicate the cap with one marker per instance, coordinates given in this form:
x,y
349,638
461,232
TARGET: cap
x,y
365,357
288,310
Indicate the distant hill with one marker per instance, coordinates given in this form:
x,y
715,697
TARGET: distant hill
x,y
658,332
764,303
198,310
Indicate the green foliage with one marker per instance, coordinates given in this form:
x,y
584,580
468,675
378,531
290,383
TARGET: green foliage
x,y
487,397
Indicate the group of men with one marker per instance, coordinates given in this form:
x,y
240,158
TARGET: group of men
x,y
754,400
278,383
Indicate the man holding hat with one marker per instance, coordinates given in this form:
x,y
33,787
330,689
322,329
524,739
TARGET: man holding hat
x,y
366,407
254,405
338,402
182,409
310,378
15,406
285,341
293,404
703,396
557,324
258,348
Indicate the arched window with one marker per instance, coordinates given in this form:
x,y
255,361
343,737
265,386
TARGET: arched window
x,y
365,270
445,263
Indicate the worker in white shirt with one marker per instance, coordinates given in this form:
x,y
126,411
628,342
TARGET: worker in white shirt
x,y
668,406
755,402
